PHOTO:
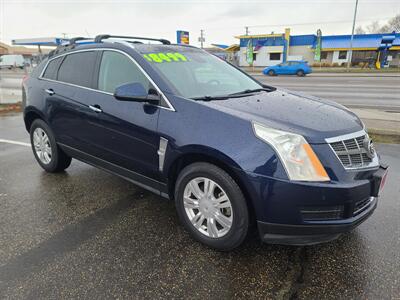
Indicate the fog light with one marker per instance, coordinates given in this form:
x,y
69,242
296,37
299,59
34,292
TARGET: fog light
x,y
324,213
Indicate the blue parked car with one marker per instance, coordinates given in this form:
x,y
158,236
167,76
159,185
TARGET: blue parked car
x,y
188,126
299,68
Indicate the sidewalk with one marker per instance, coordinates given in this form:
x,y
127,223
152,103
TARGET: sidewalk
x,y
386,123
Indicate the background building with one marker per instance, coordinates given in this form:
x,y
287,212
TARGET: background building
x,y
272,49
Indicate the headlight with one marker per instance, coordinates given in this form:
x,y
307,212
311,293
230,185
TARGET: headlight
x,y
297,156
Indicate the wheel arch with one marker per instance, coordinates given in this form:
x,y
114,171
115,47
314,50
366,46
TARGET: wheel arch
x,y
212,156
30,115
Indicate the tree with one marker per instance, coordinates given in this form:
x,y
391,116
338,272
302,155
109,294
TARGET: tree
x,y
374,27
360,30
394,24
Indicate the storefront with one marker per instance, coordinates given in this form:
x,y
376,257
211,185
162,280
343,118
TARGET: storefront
x,y
272,49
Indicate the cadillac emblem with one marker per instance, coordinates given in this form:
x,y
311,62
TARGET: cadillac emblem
x,y
369,147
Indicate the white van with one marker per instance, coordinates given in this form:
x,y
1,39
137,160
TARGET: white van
x,y
12,61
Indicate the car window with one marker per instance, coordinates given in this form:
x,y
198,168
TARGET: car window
x,y
117,69
52,68
77,68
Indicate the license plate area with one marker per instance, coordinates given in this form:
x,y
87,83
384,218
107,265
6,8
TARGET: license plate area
x,y
379,180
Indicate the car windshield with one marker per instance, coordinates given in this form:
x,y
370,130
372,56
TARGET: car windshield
x,y
195,73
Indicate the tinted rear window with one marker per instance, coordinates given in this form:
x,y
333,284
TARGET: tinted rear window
x,y
52,68
77,68
38,69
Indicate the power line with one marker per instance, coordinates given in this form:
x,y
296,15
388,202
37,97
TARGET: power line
x,y
201,38
313,23
300,24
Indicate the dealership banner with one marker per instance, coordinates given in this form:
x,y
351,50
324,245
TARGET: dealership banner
x,y
317,54
249,53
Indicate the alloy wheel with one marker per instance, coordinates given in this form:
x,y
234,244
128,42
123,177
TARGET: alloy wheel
x,y
208,207
42,146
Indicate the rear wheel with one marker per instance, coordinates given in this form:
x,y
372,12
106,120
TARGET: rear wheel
x,y
211,206
300,73
49,156
271,73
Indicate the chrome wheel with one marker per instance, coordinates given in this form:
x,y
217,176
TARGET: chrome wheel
x,y
208,207
42,146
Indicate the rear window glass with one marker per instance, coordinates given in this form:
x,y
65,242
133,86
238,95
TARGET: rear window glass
x,y
37,71
52,68
77,68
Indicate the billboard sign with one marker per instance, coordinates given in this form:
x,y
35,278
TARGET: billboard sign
x,y
182,37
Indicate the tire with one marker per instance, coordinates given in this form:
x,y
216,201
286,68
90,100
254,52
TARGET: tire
x,y
55,162
224,238
271,73
300,73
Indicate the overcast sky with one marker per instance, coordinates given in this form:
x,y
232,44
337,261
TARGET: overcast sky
x,y
221,20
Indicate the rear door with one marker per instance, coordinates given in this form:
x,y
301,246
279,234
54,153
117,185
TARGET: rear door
x,y
66,109
281,68
294,67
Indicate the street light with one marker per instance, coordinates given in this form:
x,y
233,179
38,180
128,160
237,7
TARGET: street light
x,y
352,37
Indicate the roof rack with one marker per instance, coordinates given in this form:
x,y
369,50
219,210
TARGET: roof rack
x,y
71,44
79,38
99,38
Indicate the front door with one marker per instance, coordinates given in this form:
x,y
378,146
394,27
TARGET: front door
x,y
123,133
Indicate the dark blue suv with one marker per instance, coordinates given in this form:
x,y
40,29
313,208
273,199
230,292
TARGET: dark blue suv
x,y
188,126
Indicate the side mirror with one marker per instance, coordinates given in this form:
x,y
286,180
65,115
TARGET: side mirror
x,y
136,92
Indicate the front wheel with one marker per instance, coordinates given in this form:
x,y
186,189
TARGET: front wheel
x,y
271,73
49,156
211,206
300,73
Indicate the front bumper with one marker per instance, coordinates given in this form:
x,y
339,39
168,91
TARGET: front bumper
x,y
299,235
309,213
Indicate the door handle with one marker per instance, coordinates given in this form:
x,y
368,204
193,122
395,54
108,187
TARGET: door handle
x,y
50,92
95,108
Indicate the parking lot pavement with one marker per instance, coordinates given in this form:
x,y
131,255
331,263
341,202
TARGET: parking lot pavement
x,y
10,85
85,233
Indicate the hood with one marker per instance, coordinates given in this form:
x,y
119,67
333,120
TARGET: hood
x,y
313,118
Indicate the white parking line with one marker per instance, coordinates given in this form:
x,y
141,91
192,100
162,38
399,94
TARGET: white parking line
x,y
15,143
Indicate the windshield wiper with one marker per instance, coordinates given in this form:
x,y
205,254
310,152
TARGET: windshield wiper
x,y
233,95
250,91
210,98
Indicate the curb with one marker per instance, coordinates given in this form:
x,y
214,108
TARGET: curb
x,y
12,108
384,136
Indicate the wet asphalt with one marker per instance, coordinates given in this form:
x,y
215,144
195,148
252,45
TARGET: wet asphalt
x,y
88,234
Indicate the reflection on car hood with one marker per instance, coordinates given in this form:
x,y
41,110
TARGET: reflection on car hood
x,y
314,118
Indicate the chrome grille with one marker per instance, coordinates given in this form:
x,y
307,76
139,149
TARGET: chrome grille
x,y
351,151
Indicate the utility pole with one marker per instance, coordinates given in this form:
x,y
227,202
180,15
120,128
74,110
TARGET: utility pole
x,y
352,37
201,38
247,30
